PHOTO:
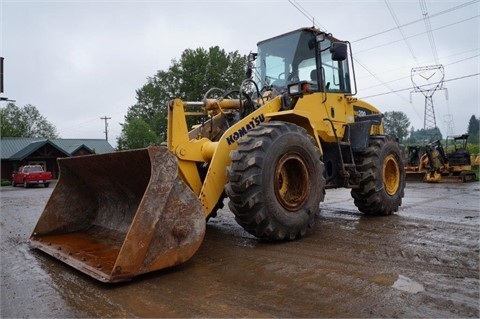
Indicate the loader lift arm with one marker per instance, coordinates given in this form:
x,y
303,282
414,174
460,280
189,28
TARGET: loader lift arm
x,y
190,152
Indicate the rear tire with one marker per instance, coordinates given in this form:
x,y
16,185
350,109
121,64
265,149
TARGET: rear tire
x,y
382,182
46,185
276,181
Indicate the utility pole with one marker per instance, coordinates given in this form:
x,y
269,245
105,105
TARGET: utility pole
x,y
1,74
106,126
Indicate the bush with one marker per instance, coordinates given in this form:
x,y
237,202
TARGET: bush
x,y
473,149
6,182
476,169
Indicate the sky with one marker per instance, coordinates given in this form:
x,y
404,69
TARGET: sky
x,y
81,61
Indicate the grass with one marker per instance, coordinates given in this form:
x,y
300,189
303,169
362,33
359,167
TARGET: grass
x,y
476,169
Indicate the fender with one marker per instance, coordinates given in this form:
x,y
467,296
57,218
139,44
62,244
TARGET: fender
x,y
299,118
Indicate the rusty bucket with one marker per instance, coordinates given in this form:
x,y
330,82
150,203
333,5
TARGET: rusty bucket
x,y
118,215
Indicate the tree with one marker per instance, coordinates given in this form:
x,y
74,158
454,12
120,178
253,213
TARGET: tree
x,y
25,122
188,78
424,136
473,130
397,124
139,135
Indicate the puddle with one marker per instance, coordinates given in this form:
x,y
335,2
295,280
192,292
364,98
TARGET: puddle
x,y
406,284
398,282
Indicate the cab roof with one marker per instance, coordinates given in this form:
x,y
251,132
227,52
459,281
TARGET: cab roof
x,y
313,30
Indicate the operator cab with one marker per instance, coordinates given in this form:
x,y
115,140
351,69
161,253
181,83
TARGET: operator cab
x,y
306,56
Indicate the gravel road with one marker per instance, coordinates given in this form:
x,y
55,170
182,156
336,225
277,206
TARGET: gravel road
x,y
422,262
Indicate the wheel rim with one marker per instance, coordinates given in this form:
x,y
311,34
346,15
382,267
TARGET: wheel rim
x,y
391,175
291,181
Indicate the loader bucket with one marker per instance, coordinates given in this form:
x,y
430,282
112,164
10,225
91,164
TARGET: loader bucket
x,y
118,215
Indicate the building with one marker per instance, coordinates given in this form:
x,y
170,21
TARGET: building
x,y
18,151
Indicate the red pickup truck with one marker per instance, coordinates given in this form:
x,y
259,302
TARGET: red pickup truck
x,y
29,175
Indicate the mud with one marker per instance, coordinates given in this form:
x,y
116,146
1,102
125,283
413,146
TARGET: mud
x,y
421,262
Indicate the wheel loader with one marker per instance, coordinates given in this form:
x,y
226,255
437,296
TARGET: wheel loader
x,y
292,130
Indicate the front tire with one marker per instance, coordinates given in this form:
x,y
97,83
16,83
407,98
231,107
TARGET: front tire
x,y
276,181
382,182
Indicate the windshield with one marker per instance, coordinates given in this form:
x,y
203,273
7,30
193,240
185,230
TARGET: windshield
x,y
286,59
294,57
31,169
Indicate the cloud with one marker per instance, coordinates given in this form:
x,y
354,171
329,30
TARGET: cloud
x,y
81,60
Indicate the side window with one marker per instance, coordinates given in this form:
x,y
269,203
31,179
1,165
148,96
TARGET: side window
x,y
305,69
336,73
330,67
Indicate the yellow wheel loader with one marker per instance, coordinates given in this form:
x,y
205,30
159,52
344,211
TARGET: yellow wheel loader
x,y
292,130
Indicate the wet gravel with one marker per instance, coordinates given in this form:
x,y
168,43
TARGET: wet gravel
x,y
422,262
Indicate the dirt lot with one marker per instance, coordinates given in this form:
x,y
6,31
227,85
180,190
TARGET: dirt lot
x,y
422,262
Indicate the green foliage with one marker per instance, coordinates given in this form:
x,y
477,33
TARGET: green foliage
x,y
474,148
476,169
5,182
396,124
25,122
188,78
473,130
423,137
139,135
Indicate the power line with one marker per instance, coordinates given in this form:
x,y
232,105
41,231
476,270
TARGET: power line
x,y
431,39
418,20
404,39
435,75
312,19
409,88
386,85
463,60
404,77
394,16
418,34
303,11
444,57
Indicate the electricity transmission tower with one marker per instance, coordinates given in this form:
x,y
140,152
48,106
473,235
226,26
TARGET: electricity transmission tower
x,y
449,125
427,80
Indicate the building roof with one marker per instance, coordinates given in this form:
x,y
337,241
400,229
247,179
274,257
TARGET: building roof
x,y
17,148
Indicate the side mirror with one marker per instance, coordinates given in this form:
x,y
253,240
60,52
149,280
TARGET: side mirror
x,y
339,51
250,59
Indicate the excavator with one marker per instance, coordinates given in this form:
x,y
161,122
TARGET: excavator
x,y
273,147
451,166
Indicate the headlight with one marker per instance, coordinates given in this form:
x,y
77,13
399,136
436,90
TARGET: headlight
x,y
300,88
